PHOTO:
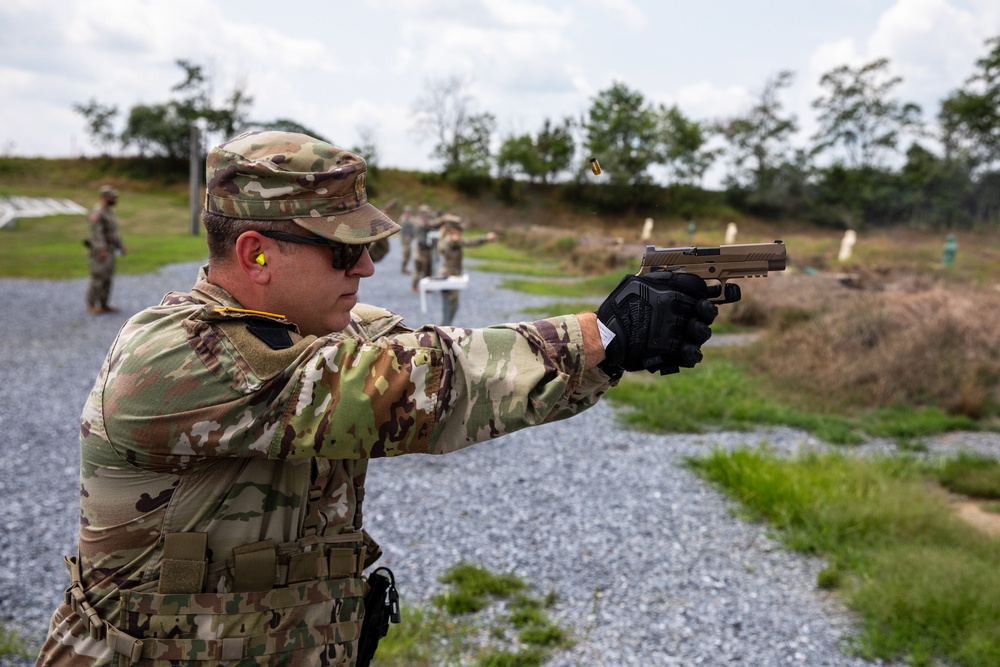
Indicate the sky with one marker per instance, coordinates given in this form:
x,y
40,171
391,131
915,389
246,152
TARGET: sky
x,y
350,70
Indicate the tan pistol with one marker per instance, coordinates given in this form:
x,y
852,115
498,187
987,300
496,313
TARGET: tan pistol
x,y
716,265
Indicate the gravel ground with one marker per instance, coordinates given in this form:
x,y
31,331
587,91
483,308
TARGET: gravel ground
x,y
649,563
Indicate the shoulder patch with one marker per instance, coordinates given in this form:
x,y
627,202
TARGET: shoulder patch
x,y
275,334
266,346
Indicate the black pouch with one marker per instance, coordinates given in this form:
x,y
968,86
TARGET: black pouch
x,y
381,608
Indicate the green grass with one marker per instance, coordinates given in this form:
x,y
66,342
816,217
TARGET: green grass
x,y
571,288
155,228
924,583
971,475
450,631
722,393
11,645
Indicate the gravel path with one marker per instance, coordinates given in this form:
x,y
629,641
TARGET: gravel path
x,y
650,565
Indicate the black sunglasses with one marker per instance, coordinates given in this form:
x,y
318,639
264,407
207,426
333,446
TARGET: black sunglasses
x,y
345,255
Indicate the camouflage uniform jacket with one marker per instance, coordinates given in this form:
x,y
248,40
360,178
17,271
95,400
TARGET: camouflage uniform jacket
x,y
406,226
104,233
197,425
451,249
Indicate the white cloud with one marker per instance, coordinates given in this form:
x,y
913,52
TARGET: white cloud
x,y
364,64
625,11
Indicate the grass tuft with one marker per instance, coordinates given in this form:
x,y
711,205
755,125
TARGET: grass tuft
x,y
451,632
924,582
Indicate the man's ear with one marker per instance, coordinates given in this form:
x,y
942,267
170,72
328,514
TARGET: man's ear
x,y
252,258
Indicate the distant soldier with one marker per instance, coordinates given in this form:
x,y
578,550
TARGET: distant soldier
x,y
423,259
450,249
104,243
406,236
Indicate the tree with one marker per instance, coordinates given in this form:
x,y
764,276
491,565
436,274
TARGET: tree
x,y
445,111
622,131
758,140
368,148
165,129
157,130
539,158
229,118
970,117
99,119
469,153
685,155
859,115
937,191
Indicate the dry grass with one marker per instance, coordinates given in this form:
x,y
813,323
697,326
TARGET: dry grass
x,y
931,346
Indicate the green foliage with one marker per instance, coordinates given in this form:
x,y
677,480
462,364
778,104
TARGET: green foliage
x,y
971,475
539,158
685,155
970,116
450,632
599,285
858,114
622,132
758,140
12,646
100,122
155,228
718,394
829,579
723,394
923,582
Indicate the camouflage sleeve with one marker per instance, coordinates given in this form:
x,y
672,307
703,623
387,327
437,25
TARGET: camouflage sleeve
x,y
378,390
433,390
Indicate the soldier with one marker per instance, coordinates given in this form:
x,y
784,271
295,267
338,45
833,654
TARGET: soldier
x,y
225,444
451,247
104,243
406,236
423,259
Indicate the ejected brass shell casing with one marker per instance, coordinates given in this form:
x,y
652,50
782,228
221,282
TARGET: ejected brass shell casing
x,y
595,166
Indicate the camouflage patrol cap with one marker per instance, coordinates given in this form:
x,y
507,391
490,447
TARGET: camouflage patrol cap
x,y
290,176
451,220
108,191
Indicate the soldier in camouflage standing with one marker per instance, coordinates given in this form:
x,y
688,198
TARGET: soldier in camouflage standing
x,y
225,444
451,248
423,258
104,244
406,236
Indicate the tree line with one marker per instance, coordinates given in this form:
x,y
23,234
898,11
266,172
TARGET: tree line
x,y
873,161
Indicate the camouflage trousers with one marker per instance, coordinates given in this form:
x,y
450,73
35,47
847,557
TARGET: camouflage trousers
x,y
407,246
101,273
449,306
423,265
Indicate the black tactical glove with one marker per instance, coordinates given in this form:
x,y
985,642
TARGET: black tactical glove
x,y
659,322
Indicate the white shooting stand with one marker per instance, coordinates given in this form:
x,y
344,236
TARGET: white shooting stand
x,y
440,285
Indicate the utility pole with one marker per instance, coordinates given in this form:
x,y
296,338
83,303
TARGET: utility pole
x,y
195,176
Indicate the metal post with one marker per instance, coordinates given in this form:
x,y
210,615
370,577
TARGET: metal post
x,y
195,178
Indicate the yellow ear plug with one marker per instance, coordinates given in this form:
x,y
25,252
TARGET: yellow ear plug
x,y
260,259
